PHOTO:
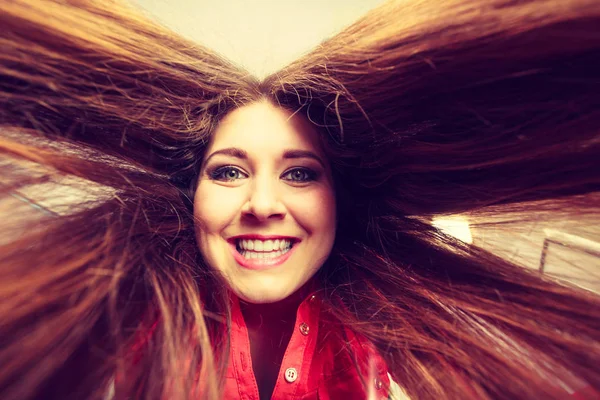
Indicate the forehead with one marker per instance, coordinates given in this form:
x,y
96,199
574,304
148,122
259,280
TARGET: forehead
x,y
262,127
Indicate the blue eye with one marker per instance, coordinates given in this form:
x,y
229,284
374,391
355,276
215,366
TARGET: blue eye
x,y
300,175
227,174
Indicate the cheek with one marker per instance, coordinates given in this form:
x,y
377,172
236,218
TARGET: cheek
x,y
214,207
315,211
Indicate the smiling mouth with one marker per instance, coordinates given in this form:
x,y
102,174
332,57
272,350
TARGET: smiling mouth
x,y
260,254
260,249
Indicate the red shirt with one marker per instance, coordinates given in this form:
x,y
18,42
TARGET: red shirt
x,y
317,363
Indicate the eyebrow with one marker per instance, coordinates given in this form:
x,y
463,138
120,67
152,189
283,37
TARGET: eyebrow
x,y
287,154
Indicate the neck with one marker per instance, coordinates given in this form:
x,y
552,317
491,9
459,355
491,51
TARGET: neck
x,y
268,315
264,315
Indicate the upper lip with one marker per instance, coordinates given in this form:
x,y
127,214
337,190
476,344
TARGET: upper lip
x,y
253,236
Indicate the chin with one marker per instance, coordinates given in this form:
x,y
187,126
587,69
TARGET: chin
x,y
264,291
262,296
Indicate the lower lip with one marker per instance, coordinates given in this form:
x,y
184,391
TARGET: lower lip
x,y
261,263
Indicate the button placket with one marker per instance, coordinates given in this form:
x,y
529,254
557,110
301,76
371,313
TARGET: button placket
x,y
300,348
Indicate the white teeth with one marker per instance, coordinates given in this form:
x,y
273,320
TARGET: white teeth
x,y
263,255
264,246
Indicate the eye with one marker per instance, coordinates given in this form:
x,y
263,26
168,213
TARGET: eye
x,y
300,175
227,173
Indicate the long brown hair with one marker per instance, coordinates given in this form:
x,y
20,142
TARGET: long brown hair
x,y
426,108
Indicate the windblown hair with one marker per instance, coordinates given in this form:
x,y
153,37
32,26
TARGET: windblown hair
x,y
425,107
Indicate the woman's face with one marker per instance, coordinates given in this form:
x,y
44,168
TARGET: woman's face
x,y
265,204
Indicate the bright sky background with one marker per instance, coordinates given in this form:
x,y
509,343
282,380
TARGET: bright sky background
x,y
260,35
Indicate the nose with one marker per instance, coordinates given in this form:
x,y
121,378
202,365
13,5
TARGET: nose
x,y
263,201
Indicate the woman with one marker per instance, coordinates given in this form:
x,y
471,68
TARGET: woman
x,y
418,109
266,221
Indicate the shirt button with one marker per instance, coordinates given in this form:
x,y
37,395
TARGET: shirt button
x,y
313,298
304,328
378,383
291,375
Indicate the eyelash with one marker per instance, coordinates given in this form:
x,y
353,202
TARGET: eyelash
x,y
309,173
218,174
